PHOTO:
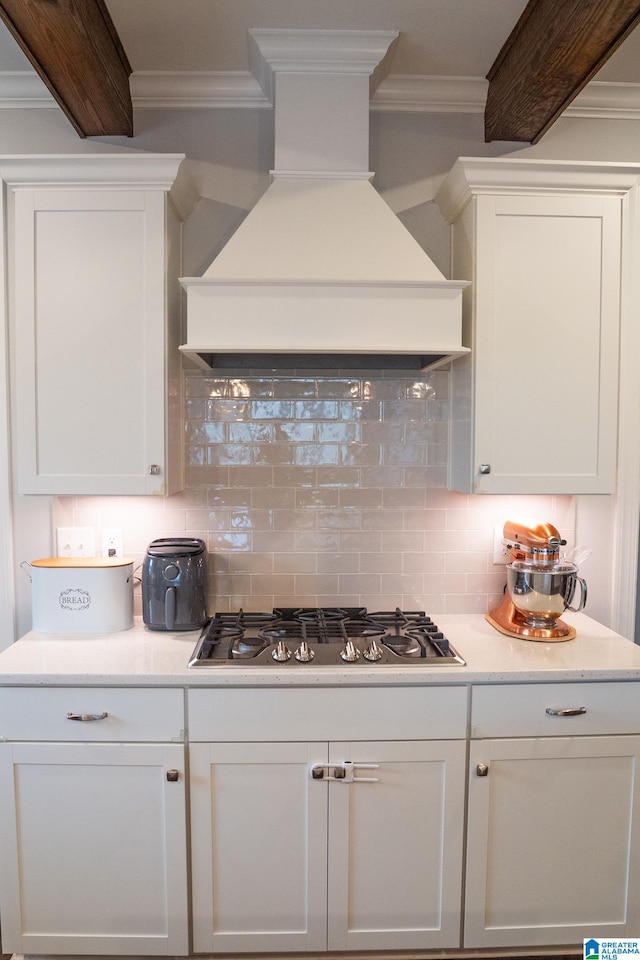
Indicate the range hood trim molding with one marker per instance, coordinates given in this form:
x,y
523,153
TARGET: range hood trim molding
x,y
325,284
273,51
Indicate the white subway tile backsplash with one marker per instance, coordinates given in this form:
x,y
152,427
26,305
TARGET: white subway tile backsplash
x,y
382,562
295,563
342,562
387,519
322,490
319,542
294,520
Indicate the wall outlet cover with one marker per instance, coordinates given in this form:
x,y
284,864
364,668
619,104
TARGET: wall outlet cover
x,y
112,543
500,551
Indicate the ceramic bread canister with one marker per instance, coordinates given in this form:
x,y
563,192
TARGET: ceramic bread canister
x,y
81,594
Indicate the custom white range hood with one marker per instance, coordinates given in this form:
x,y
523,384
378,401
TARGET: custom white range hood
x,y
321,266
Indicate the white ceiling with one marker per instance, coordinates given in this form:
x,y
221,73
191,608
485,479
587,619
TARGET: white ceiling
x,y
452,38
438,39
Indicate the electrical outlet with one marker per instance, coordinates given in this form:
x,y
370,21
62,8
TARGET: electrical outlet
x,y
500,551
112,543
76,541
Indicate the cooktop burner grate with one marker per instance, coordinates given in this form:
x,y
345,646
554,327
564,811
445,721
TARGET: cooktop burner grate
x,y
323,636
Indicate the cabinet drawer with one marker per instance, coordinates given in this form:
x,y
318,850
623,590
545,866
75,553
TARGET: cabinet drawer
x,y
372,713
520,710
40,713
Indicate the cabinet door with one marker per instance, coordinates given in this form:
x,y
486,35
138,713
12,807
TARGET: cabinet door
x,y
553,836
93,849
395,847
259,847
534,408
90,295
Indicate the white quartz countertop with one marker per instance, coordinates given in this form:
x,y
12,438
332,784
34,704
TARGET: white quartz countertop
x,y
141,657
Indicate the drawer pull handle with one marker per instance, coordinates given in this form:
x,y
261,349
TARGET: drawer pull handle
x,y
565,711
87,716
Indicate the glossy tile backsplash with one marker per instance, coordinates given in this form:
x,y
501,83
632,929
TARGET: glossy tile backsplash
x,y
322,490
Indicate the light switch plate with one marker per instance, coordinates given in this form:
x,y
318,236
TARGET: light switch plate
x,y
75,542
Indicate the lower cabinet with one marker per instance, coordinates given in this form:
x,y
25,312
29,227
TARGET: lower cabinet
x,y
311,845
92,833
553,841
369,859
369,838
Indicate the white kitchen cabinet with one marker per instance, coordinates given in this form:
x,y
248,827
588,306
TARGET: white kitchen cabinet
x,y
553,841
95,309
285,861
259,847
534,405
92,834
395,846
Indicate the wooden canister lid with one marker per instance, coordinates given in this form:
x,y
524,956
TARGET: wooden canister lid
x,y
81,562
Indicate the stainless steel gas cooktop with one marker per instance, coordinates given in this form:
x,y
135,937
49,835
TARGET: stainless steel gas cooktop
x,y
323,636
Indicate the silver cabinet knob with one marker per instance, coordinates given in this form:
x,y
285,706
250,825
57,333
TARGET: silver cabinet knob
x,y
482,770
281,653
373,651
173,776
304,653
484,468
350,652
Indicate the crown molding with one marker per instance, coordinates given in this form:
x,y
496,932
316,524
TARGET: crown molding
x,y
401,94
607,101
407,94
105,171
23,89
151,171
196,89
476,176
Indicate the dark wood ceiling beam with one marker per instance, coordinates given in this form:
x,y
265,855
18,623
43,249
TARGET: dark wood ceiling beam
x,y
75,48
553,51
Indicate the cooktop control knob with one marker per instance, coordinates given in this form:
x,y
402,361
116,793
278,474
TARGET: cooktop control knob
x,y
373,651
281,653
304,653
350,652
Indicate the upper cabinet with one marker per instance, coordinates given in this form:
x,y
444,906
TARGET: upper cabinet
x,y
95,304
534,405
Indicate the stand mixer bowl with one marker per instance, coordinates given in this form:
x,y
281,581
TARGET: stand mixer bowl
x,y
543,591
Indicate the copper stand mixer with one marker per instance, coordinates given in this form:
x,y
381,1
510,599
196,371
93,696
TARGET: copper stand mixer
x,y
540,585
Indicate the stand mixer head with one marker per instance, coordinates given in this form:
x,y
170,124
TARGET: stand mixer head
x,y
540,585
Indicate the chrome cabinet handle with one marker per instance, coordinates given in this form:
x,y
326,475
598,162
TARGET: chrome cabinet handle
x,y
565,711
87,716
